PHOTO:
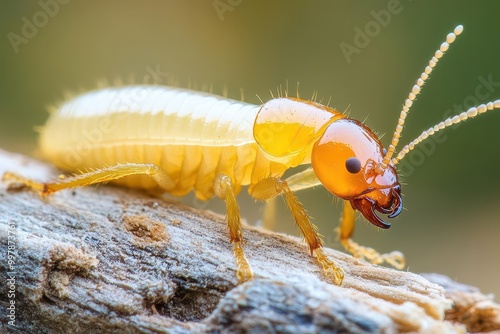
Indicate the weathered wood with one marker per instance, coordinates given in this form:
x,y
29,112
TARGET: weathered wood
x,y
470,307
117,260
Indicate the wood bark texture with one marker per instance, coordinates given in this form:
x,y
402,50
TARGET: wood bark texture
x,y
115,260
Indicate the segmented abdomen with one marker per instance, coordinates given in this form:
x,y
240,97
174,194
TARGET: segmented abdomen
x,y
191,135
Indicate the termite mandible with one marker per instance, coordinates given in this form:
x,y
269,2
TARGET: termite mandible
x,y
178,140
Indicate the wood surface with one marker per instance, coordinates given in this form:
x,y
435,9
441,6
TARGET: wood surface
x,y
113,260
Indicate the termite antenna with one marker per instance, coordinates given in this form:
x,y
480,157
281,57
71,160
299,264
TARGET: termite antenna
x,y
450,38
471,113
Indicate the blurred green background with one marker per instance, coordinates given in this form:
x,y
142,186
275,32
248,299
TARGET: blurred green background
x,y
451,224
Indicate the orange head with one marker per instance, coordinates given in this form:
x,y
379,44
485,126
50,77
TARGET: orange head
x,y
345,159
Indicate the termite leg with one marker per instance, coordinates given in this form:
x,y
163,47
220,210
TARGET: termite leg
x,y
224,190
303,180
274,186
346,230
96,176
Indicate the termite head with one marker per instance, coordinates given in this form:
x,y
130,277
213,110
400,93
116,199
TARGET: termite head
x,y
345,160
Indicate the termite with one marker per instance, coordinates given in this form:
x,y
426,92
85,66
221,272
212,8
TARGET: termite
x,y
177,140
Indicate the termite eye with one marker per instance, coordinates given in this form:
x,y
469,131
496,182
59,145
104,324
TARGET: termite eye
x,y
353,165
